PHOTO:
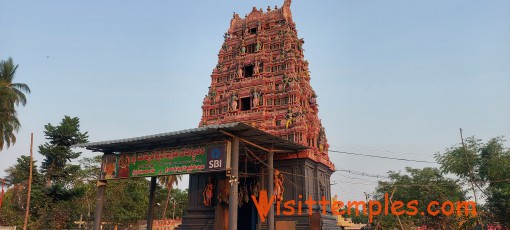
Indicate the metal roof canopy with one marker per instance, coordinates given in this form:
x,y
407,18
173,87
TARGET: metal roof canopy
x,y
211,133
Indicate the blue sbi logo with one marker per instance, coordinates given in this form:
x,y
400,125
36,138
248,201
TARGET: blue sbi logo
x,y
215,153
215,161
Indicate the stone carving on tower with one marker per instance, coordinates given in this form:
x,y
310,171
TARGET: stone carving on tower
x,y
262,79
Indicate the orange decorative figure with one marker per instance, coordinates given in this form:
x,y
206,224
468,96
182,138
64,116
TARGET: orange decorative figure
x,y
124,166
208,192
110,167
278,186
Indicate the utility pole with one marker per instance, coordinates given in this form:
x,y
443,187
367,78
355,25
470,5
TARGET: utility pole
x,y
2,194
29,182
367,195
173,213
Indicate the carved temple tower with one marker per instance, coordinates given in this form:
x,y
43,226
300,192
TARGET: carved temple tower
x,y
262,79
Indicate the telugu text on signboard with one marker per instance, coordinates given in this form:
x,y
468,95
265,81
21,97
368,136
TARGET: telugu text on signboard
x,y
166,161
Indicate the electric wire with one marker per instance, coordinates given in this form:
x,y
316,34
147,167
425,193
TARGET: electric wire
x,y
385,151
382,157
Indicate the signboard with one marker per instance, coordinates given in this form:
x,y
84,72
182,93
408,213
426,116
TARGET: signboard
x,y
166,161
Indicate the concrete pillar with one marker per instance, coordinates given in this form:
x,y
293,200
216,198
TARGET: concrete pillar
x,y
101,192
233,197
270,190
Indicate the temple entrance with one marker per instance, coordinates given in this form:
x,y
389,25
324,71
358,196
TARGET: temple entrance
x,y
211,156
247,212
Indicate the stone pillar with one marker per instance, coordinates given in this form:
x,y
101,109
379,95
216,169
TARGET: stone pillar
x,y
233,197
101,193
270,190
152,201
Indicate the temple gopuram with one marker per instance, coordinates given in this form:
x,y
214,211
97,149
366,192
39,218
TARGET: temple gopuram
x,y
262,79
259,158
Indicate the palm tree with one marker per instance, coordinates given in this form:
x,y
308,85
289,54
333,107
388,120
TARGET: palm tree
x,y
169,182
11,95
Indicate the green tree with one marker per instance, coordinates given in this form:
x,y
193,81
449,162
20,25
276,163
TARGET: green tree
x,y
487,166
362,218
178,196
424,185
11,95
89,174
64,188
126,201
14,205
58,152
168,182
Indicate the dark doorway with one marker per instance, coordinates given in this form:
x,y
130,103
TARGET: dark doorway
x,y
247,214
248,71
245,103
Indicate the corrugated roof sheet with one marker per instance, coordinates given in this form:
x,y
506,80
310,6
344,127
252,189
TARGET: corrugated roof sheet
x,y
194,136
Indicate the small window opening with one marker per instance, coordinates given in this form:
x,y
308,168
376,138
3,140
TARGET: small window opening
x,y
251,48
248,71
291,137
245,103
253,31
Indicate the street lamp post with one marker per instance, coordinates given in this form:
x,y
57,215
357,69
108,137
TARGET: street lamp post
x,y
173,212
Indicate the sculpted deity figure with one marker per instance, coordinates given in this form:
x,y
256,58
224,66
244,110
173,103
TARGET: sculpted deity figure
x,y
243,48
257,67
239,71
212,95
321,140
208,192
233,103
256,98
286,82
289,118
278,186
287,46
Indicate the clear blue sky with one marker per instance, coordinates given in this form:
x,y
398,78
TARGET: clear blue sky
x,y
391,76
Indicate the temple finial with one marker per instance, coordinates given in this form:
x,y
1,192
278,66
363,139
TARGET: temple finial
x,y
287,3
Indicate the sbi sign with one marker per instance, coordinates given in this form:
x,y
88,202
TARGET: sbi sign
x,y
216,157
215,161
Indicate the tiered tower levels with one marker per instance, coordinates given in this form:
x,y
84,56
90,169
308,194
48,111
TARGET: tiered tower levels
x,y
262,79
